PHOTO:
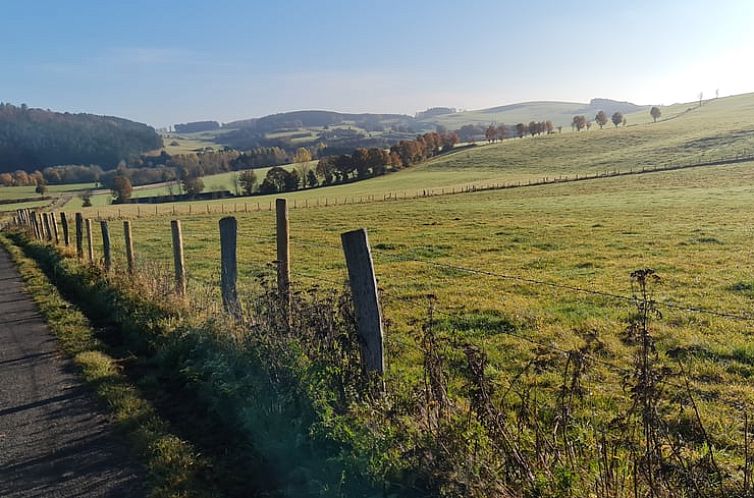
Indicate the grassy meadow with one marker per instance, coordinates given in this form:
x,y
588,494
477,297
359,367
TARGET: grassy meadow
x,y
528,274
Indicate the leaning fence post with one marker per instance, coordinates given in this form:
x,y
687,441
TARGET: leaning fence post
x,y
283,254
54,223
131,260
35,225
178,261
89,241
365,298
79,235
106,244
229,265
66,236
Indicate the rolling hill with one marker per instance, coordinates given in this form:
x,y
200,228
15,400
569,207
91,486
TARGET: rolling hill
x,y
35,138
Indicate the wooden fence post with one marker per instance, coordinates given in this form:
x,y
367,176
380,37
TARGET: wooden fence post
x,y
46,225
283,254
365,298
35,225
130,257
54,223
106,244
66,235
79,235
89,241
178,260
229,265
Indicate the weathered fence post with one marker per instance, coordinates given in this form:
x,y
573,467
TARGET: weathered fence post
x,y
79,235
106,244
283,254
89,241
178,261
66,236
365,298
229,265
46,225
35,225
54,223
130,257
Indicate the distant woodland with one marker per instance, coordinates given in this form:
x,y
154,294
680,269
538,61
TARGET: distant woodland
x,y
36,138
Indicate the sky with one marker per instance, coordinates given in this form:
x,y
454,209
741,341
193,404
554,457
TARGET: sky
x,y
168,61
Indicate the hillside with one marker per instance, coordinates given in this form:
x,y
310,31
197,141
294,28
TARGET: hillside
x,y
340,131
35,138
560,113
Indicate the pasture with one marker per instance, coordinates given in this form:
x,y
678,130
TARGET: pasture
x,y
530,274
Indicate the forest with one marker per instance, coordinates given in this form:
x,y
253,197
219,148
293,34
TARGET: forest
x,y
35,138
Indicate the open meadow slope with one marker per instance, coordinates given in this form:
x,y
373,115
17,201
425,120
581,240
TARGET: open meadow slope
x,y
531,275
692,226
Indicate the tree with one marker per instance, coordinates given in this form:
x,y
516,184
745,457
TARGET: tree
x,y
655,112
502,132
236,184
302,155
617,118
193,185
601,118
86,198
579,122
326,170
279,180
701,98
532,128
520,130
490,133
311,179
121,189
248,179
41,189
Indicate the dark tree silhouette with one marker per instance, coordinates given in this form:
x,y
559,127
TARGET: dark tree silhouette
x,y
617,118
655,112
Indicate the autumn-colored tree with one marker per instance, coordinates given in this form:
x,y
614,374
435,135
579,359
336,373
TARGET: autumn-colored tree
x,y
121,189
193,185
655,112
549,127
6,179
248,180
601,118
579,122
302,155
617,118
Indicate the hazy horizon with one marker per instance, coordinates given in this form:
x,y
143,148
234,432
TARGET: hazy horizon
x,y
182,61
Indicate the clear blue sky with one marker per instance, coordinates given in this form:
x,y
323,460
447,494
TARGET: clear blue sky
x,y
168,61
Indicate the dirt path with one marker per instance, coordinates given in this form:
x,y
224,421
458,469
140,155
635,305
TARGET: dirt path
x,y
54,439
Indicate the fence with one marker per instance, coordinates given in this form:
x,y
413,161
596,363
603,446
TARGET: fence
x,y
360,267
249,204
357,255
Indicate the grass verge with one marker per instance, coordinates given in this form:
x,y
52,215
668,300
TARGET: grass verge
x,y
174,466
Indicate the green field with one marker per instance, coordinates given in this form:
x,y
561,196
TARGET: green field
x,y
692,226
528,274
